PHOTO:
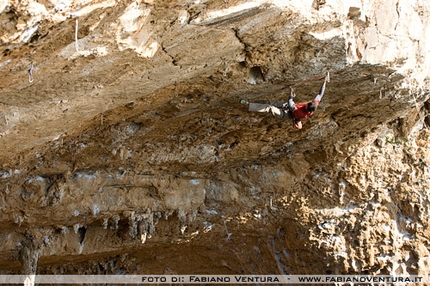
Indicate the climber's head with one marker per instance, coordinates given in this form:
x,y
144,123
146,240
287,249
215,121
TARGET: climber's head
x,y
311,107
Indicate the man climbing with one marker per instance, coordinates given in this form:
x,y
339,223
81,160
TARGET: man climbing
x,y
289,109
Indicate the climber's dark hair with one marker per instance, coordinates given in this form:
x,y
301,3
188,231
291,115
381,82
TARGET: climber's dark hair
x,y
312,106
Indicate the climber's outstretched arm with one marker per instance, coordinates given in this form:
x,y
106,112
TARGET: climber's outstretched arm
x,y
322,89
291,105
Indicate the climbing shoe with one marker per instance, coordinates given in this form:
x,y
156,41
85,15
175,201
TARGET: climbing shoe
x,y
244,101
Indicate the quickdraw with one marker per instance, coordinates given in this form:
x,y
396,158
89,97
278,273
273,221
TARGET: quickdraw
x,y
30,73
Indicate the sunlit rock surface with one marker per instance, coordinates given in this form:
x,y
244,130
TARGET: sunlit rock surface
x,y
125,150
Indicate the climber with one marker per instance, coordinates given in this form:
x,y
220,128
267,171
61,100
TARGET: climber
x,y
289,109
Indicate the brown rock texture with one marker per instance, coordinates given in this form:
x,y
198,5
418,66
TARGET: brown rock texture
x,y
125,149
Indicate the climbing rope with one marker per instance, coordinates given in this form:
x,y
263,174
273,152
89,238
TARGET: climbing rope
x,y
226,230
218,145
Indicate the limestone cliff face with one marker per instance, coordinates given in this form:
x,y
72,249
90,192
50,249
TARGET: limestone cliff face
x,y
124,148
